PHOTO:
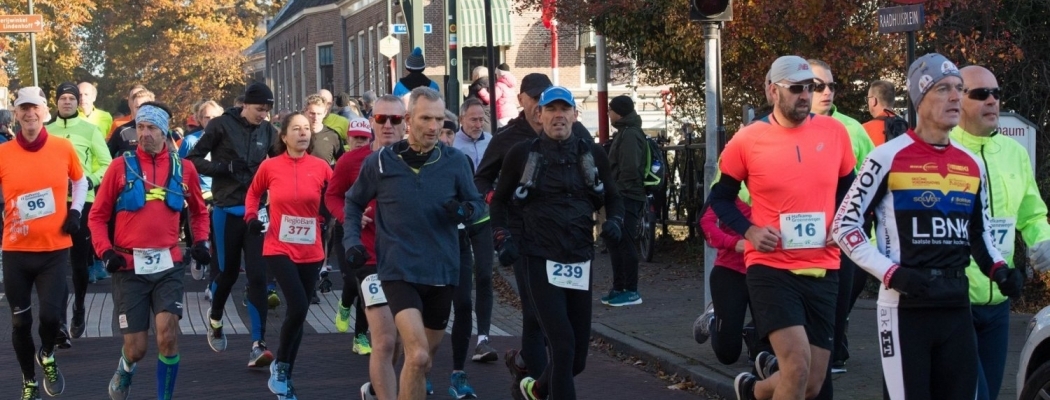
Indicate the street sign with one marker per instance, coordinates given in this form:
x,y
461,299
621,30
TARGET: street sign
x,y
21,23
389,46
1021,130
402,29
901,19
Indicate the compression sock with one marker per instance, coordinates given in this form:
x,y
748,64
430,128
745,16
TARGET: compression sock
x,y
128,366
167,370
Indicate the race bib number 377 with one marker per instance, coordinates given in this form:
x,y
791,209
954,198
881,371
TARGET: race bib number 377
x,y
298,230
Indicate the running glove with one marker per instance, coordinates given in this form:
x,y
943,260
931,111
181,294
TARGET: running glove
x,y
460,212
1039,254
508,253
499,237
909,282
72,224
201,253
255,227
114,262
237,165
356,256
612,230
1010,280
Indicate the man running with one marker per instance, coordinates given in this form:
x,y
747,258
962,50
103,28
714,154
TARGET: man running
x,y
238,142
100,118
143,195
35,173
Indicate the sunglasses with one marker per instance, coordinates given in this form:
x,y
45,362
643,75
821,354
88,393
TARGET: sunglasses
x,y
981,94
797,88
819,87
394,119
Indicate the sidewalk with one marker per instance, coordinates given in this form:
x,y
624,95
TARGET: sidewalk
x,y
660,332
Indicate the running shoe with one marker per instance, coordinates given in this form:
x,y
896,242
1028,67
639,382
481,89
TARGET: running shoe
x,y
460,388
766,364
342,319
516,373
430,388
361,345
272,300
62,339
612,294
526,387
207,293
323,283
838,367
260,356
244,297
367,393
120,384
100,271
626,298
744,386
30,391
78,322
483,352
54,383
702,325
278,382
216,338
290,394
197,270
314,299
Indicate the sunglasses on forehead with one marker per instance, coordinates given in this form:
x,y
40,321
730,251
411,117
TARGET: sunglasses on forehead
x,y
797,88
394,119
981,94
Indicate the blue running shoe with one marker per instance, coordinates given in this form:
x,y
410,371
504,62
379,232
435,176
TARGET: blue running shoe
x,y
460,388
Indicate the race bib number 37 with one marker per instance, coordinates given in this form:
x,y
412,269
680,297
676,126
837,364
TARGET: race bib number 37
x,y
569,276
803,230
40,203
151,261
298,230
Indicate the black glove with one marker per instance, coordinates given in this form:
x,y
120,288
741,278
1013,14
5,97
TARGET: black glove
x,y
201,253
499,237
72,224
255,227
356,256
612,230
1010,280
237,165
460,212
508,255
114,262
910,282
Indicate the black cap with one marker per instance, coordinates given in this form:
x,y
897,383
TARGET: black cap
x,y
258,93
66,87
534,84
622,105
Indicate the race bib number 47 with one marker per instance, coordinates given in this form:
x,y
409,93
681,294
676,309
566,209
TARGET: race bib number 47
x,y
569,275
803,230
40,203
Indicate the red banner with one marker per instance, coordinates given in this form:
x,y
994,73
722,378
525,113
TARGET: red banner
x,y
548,13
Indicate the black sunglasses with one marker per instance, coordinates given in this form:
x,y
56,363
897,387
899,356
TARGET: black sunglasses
x,y
797,88
819,87
981,94
394,119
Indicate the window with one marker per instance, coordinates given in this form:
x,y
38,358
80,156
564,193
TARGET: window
x,y
372,50
362,68
590,61
291,82
380,63
302,72
351,68
278,85
474,57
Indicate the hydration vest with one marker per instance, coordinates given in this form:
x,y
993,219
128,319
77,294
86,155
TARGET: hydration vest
x,y
133,197
534,165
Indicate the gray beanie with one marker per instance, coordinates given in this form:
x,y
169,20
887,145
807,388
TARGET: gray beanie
x,y
415,61
925,72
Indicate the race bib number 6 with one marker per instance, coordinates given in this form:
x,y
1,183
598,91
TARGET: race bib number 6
x,y
151,261
40,203
298,230
803,230
569,275
372,291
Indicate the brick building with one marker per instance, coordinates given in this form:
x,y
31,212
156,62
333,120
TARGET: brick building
x,y
334,44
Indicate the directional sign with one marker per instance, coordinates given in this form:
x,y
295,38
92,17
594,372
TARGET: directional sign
x,y
1020,129
21,23
901,19
402,29
389,46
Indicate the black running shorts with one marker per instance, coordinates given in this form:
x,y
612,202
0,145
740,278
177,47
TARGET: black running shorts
x,y
782,299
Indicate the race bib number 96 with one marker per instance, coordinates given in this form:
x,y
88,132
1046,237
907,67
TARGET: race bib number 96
x,y
40,203
569,276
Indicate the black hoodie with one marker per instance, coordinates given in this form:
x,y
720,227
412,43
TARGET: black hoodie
x,y
230,137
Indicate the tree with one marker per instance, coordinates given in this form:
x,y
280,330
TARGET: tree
x,y
58,46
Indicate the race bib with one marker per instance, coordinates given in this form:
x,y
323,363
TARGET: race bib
x,y
264,217
803,230
40,203
569,276
1003,232
372,291
298,230
151,261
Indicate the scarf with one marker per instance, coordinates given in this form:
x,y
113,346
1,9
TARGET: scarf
x,y
36,144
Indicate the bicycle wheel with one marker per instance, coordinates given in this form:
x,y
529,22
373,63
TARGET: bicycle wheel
x,y
647,230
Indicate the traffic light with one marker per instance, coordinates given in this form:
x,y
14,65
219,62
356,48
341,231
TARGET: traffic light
x,y
711,10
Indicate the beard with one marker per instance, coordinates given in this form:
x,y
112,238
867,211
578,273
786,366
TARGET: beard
x,y
796,111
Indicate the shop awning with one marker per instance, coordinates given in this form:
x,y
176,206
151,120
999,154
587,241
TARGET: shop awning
x,y
472,26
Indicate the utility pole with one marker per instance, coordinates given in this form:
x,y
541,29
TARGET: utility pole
x,y
452,86
32,45
712,73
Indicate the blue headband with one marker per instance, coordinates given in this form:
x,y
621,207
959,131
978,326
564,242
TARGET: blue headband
x,y
154,115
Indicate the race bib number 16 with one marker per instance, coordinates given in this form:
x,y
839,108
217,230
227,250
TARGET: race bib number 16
x,y
803,230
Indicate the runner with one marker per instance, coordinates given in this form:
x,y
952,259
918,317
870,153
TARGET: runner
x,y
728,284
361,287
238,142
293,250
204,113
792,276
930,201
35,174
143,195
125,136
94,159
88,112
557,205
425,189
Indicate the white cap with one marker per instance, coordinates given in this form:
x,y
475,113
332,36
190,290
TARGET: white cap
x,y
31,95
791,68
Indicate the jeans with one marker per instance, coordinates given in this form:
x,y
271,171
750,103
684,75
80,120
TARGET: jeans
x,y
624,255
992,324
